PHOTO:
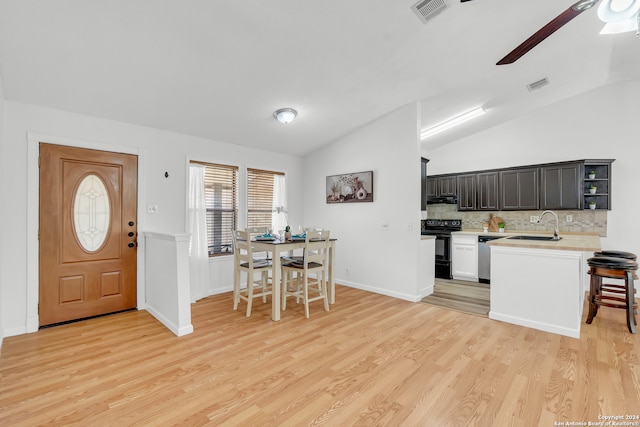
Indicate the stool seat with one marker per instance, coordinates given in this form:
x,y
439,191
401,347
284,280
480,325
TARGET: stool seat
x,y
612,263
616,254
611,295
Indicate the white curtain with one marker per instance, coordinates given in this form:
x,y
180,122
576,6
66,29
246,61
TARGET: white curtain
x,y
198,253
279,218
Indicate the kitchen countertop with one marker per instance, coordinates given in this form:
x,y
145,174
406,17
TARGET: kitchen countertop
x,y
585,242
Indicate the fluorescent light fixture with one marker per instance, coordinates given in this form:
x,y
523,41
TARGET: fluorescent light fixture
x,y
285,115
454,121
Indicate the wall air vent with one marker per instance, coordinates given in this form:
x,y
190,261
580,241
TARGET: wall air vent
x,y
537,85
429,9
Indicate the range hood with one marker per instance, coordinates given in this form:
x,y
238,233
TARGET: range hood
x,y
449,200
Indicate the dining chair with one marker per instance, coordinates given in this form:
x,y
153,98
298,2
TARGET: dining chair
x,y
244,262
258,231
291,257
314,261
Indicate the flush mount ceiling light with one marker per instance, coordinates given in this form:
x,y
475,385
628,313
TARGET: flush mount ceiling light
x,y
619,16
285,115
454,121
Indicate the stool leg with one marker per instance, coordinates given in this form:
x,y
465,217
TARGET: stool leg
x,y
593,308
631,318
598,294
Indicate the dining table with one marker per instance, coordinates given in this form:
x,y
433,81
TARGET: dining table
x,y
276,247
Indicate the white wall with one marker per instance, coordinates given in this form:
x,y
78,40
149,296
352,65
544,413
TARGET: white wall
x,y
160,151
385,262
600,124
3,182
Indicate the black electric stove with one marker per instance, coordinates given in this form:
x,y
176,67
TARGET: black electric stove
x,y
441,229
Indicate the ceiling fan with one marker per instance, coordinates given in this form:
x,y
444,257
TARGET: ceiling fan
x,y
619,16
554,25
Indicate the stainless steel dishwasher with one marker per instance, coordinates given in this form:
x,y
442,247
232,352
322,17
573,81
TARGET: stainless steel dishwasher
x,y
484,258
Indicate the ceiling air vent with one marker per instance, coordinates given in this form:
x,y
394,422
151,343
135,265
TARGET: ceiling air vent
x,y
537,85
429,9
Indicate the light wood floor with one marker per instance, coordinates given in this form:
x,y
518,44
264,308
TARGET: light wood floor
x,y
371,360
460,295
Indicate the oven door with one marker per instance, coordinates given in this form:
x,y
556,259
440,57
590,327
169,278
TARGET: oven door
x,y
443,244
443,253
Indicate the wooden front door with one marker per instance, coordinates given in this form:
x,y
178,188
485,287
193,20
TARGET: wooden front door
x,y
88,230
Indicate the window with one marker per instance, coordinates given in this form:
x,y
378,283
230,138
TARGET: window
x,y
266,199
220,193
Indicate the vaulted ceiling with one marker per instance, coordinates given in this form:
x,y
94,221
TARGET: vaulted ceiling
x,y
218,69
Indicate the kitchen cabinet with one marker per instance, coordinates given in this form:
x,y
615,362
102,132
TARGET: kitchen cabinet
x,y
442,185
523,276
467,192
560,186
488,187
601,181
447,185
519,189
423,184
464,257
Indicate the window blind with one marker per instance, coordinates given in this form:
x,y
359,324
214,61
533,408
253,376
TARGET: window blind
x,y
260,197
220,192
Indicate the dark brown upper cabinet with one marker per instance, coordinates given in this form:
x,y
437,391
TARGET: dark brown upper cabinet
x,y
601,180
442,185
467,192
519,189
560,186
488,191
423,183
447,186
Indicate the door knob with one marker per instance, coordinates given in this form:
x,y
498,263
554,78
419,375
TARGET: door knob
x,y
131,223
130,234
131,244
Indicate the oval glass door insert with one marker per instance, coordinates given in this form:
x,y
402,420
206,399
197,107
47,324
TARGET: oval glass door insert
x,y
91,213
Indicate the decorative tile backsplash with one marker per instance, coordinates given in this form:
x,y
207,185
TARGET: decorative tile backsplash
x,y
584,221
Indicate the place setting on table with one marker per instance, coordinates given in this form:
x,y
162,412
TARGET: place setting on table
x,y
282,237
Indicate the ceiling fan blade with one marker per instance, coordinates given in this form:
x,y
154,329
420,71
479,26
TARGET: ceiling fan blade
x,y
554,25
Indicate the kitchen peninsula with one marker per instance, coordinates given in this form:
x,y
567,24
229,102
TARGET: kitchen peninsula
x,y
541,284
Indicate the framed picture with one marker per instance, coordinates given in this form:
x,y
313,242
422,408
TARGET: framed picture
x,y
350,188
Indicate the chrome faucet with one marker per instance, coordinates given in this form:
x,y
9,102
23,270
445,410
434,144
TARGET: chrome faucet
x,y
556,231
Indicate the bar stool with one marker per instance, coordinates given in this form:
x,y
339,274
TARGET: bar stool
x,y
617,254
606,295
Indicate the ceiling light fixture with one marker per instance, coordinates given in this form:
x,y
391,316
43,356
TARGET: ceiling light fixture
x,y
619,16
285,115
454,121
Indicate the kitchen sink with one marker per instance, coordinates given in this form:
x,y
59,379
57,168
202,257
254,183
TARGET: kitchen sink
x,y
533,238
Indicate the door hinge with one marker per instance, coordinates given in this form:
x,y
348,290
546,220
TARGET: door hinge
x,y
38,162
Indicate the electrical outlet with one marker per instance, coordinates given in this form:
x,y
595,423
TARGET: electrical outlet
x,y
152,209
534,219
569,218
384,225
346,271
